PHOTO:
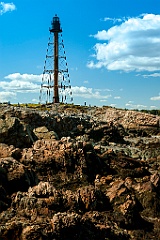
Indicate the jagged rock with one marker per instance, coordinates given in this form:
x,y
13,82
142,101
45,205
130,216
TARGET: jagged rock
x,y
44,199
35,232
150,201
16,175
43,189
143,187
67,160
4,200
133,120
147,194
117,188
63,220
127,210
128,206
68,172
44,133
13,132
5,150
72,226
91,199
155,180
128,167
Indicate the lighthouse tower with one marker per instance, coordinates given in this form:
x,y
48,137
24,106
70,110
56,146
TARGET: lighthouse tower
x,y
55,87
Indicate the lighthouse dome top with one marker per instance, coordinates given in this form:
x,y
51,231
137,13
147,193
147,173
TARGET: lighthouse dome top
x,y
55,25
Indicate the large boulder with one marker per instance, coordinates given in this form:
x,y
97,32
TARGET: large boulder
x,y
44,133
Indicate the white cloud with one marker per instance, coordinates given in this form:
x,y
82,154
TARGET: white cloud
x,y
134,45
101,35
114,20
6,7
153,107
88,93
117,97
135,106
34,100
21,83
24,77
113,105
151,75
103,90
7,96
86,82
156,98
19,86
30,83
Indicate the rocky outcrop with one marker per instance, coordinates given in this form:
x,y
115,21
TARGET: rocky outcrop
x,y
79,173
132,119
15,176
44,133
13,132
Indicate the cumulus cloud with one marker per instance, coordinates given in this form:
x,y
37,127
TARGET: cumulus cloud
x,y
6,7
19,86
133,45
30,83
24,77
151,75
131,105
7,96
101,35
156,98
88,93
21,83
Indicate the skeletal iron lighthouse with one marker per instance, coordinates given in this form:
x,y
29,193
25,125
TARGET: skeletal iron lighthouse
x,y
55,85
56,30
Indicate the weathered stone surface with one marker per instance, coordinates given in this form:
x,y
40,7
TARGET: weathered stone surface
x,y
5,150
4,200
13,132
155,180
132,119
117,188
69,172
16,175
44,133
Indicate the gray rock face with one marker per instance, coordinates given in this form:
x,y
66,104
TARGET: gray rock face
x,y
77,173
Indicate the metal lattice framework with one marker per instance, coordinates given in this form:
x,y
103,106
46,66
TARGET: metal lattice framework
x,y
55,85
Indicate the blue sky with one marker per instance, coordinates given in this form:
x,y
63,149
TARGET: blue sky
x,y
112,49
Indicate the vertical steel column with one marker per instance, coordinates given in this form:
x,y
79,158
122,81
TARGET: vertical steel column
x,y
56,93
